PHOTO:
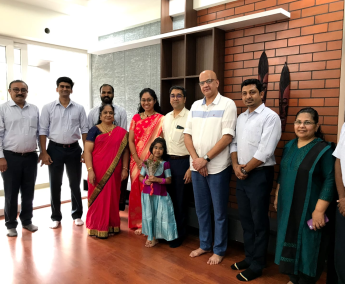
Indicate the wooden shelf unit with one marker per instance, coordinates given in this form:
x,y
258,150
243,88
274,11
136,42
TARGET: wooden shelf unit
x,y
184,57
190,16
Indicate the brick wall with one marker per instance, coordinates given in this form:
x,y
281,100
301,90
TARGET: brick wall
x,y
310,42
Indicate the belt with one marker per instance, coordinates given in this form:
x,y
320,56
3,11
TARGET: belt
x,y
261,168
73,145
21,154
172,157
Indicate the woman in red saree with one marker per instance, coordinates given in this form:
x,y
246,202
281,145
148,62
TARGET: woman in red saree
x,y
106,152
145,127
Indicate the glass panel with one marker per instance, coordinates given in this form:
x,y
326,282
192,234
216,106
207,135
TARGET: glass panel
x,y
17,53
3,75
2,54
17,68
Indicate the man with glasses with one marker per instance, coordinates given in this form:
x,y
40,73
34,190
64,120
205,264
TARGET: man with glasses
x,y
107,96
209,130
179,190
19,126
64,122
258,132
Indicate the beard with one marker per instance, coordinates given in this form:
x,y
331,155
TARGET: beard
x,y
106,100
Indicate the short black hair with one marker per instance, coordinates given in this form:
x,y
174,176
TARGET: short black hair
x,y
161,141
184,92
17,81
105,85
255,82
65,80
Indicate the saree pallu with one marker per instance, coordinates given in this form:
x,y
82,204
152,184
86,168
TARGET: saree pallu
x,y
145,132
103,217
306,175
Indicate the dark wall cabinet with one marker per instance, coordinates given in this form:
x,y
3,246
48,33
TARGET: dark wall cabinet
x,y
184,57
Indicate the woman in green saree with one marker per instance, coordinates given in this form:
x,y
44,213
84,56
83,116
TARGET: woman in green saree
x,y
305,189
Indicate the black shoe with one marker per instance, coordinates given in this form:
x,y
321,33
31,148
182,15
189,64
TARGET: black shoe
x,y
176,243
240,265
248,275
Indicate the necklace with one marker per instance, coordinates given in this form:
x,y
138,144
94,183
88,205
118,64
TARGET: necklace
x,y
148,115
106,130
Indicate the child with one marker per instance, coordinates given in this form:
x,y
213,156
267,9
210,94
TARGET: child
x,y
158,219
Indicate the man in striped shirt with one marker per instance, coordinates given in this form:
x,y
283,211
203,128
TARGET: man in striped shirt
x,y
209,130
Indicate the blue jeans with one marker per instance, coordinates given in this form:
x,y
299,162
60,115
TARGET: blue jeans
x,y
208,191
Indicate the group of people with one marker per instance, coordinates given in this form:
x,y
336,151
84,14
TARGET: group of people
x,y
164,155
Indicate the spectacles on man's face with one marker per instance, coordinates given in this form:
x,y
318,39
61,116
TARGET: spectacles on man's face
x,y
17,90
146,100
208,82
178,96
305,123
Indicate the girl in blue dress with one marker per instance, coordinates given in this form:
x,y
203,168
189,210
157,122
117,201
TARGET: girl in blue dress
x,y
158,219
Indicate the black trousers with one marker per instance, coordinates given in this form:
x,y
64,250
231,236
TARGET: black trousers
x,y
180,193
71,158
20,176
253,198
339,257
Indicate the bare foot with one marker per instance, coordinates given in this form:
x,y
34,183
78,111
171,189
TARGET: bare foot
x,y
150,244
198,252
215,259
137,231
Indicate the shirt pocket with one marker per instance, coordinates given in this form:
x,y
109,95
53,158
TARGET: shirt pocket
x,y
74,120
177,135
254,136
33,121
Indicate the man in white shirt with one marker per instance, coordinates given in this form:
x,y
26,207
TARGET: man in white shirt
x,y
180,188
19,126
339,259
209,130
258,132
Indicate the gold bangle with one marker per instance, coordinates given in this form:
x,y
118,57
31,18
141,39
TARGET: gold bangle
x,y
89,168
124,168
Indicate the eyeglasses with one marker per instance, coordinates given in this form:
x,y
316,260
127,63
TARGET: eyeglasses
x,y
305,123
16,90
146,100
208,81
179,96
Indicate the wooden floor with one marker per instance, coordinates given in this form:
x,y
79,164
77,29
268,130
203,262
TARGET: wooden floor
x,y
69,255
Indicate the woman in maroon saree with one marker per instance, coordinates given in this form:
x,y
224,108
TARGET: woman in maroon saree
x,y
106,152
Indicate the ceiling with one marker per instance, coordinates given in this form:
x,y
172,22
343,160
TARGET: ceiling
x,y
71,7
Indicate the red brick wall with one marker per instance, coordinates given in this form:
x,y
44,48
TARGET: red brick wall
x,y
310,42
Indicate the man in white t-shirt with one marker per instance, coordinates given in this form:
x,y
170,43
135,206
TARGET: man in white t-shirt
x,y
339,260
209,130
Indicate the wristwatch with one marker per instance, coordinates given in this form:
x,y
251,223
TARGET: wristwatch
x,y
243,171
207,158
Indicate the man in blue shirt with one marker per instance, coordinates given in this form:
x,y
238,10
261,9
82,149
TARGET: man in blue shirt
x,y
64,122
19,124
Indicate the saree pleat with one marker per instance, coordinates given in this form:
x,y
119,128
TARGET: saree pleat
x,y
145,132
103,216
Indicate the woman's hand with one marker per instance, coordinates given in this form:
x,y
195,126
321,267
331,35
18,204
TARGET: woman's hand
x,y
275,204
139,164
92,177
318,219
147,182
124,174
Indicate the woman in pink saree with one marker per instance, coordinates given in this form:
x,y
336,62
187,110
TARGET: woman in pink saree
x,y
106,152
145,127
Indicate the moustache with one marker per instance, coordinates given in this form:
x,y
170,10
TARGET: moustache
x,y
19,96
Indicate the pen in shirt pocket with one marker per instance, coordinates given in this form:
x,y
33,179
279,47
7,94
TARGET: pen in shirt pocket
x,y
179,127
